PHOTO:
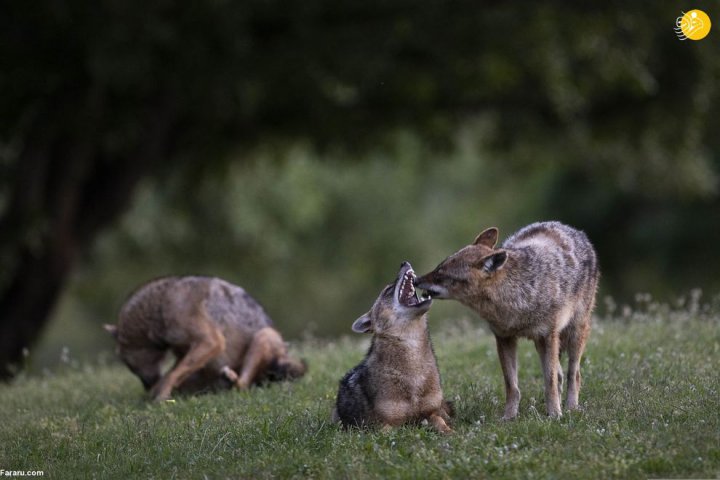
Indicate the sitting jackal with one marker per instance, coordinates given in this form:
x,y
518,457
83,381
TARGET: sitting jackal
x,y
540,284
398,381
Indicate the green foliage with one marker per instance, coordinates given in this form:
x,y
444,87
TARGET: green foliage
x,y
608,86
650,403
312,239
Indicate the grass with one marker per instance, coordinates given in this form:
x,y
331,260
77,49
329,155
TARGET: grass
x,y
650,409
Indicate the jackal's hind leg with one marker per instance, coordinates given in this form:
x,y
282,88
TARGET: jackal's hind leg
x,y
265,347
576,347
549,351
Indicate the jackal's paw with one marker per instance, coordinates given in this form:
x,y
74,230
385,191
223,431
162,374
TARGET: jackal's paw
x,y
509,417
555,414
160,396
229,373
444,430
241,384
437,422
573,407
158,392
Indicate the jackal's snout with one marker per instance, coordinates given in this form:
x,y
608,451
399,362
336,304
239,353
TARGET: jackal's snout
x,y
431,285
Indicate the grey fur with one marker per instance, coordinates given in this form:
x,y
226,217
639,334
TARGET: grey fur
x,y
219,334
540,284
398,380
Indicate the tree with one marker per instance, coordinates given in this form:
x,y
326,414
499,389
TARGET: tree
x,y
99,95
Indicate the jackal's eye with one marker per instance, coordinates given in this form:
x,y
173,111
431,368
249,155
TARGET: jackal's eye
x,y
387,290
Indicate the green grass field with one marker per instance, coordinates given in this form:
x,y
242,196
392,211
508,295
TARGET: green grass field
x,y
650,409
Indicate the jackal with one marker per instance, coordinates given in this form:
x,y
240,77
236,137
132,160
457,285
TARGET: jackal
x,y
219,334
540,284
398,381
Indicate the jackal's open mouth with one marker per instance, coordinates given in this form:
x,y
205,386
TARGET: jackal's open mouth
x,y
407,295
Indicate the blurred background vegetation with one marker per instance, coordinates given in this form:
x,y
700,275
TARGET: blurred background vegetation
x,y
304,149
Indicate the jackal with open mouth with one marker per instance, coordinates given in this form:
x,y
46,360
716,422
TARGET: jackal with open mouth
x,y
398,382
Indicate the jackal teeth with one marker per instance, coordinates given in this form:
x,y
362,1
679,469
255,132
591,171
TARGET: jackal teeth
x,y
408,294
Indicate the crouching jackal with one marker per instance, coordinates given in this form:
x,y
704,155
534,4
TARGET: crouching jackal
x,y
219,334
540,284
398,381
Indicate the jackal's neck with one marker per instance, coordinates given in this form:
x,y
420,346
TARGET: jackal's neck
x,y
413,336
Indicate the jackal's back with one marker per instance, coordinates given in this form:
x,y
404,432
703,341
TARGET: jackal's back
x,y
163,304
552,268
554,261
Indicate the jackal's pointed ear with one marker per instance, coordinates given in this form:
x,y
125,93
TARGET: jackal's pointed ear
x,y
362,324
111,329
493,262
488,237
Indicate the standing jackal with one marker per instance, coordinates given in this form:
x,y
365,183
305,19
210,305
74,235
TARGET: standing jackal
x,y
220,335
398,381
540,284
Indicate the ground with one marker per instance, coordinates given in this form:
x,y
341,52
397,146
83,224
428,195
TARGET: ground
x,y
650,409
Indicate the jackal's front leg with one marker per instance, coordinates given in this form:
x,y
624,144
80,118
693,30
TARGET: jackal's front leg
x,y
507,351
203,349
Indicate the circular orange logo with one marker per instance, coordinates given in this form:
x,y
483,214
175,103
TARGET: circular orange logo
x,y
693,25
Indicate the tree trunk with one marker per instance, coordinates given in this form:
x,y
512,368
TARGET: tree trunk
x,y
63,194
27,302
